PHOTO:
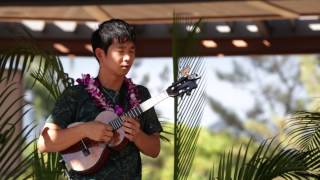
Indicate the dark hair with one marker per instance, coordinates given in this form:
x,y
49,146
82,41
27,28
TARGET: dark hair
x,y
109,30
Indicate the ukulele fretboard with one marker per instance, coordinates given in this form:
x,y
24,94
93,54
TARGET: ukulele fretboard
x,y
135,112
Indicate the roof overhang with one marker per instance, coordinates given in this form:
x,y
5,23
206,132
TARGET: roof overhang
x,y
284,25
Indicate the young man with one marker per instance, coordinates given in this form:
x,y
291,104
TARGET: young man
x,y
114,48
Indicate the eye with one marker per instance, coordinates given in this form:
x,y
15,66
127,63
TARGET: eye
x,y
120,51
132,51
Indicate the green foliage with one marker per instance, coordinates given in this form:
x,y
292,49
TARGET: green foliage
x,y
209,148
12,138
187,110
46,69
269,161
304,130
300,159
47,165
272,160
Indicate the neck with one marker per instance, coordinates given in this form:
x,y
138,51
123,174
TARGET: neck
x,y
111,81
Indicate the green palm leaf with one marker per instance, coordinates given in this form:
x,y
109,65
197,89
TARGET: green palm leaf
x,y
47,165
269,161
47,70
13,140
20,59
188,109
53,80
304,129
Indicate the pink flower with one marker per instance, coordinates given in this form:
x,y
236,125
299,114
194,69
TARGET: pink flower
x,y
92,86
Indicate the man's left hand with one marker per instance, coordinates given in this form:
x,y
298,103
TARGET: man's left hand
x,y
131,128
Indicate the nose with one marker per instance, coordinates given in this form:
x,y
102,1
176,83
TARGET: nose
x,y
126,57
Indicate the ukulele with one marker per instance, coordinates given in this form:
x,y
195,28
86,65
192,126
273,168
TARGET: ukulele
x,y
88,156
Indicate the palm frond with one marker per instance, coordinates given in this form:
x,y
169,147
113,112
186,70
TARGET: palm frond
x,y
53,80
27,57
188,109
269,161
47,166
47,70
12,139
304,129
167,131
17,59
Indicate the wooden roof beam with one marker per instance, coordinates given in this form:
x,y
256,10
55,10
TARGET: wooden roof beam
x,y
268,6
97,13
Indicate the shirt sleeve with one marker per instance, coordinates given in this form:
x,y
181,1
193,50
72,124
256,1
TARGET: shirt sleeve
x,y
148,120
64,110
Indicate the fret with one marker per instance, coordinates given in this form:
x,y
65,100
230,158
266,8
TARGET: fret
x,y
118,125
139,110
130,114
119,122
135,112
115,122
112,125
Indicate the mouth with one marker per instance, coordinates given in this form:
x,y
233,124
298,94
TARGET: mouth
x,y
125,66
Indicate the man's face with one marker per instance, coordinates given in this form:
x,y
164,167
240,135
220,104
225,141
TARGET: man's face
x,y
119,57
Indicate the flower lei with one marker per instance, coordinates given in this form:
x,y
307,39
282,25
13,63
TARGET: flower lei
x,y
92,86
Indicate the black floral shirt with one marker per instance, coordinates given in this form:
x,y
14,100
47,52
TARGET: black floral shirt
x,y
76,105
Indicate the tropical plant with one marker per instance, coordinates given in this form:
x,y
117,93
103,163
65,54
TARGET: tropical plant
x,y
299,159
188,110
12,138
54,81
49,72
304,130
47,165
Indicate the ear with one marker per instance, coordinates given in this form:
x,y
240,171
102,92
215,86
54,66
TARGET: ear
x,y
99,53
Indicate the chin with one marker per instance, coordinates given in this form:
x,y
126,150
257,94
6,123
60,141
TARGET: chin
x,y
123,73
124,70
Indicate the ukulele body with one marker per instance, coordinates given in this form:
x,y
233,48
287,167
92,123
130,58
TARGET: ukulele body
x,y
85,162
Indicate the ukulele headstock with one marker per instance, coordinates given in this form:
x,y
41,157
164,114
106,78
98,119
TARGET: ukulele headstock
x,y
184,85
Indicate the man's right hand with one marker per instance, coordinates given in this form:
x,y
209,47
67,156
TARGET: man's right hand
x,y
97,131
55,139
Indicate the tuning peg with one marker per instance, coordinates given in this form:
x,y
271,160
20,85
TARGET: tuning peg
x,y
188,93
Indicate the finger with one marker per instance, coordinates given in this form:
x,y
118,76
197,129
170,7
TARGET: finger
x,y
125,118
128,124
129,119
136,123
133,125
133,122
108,133
108,128
128,136
127,130
106,139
